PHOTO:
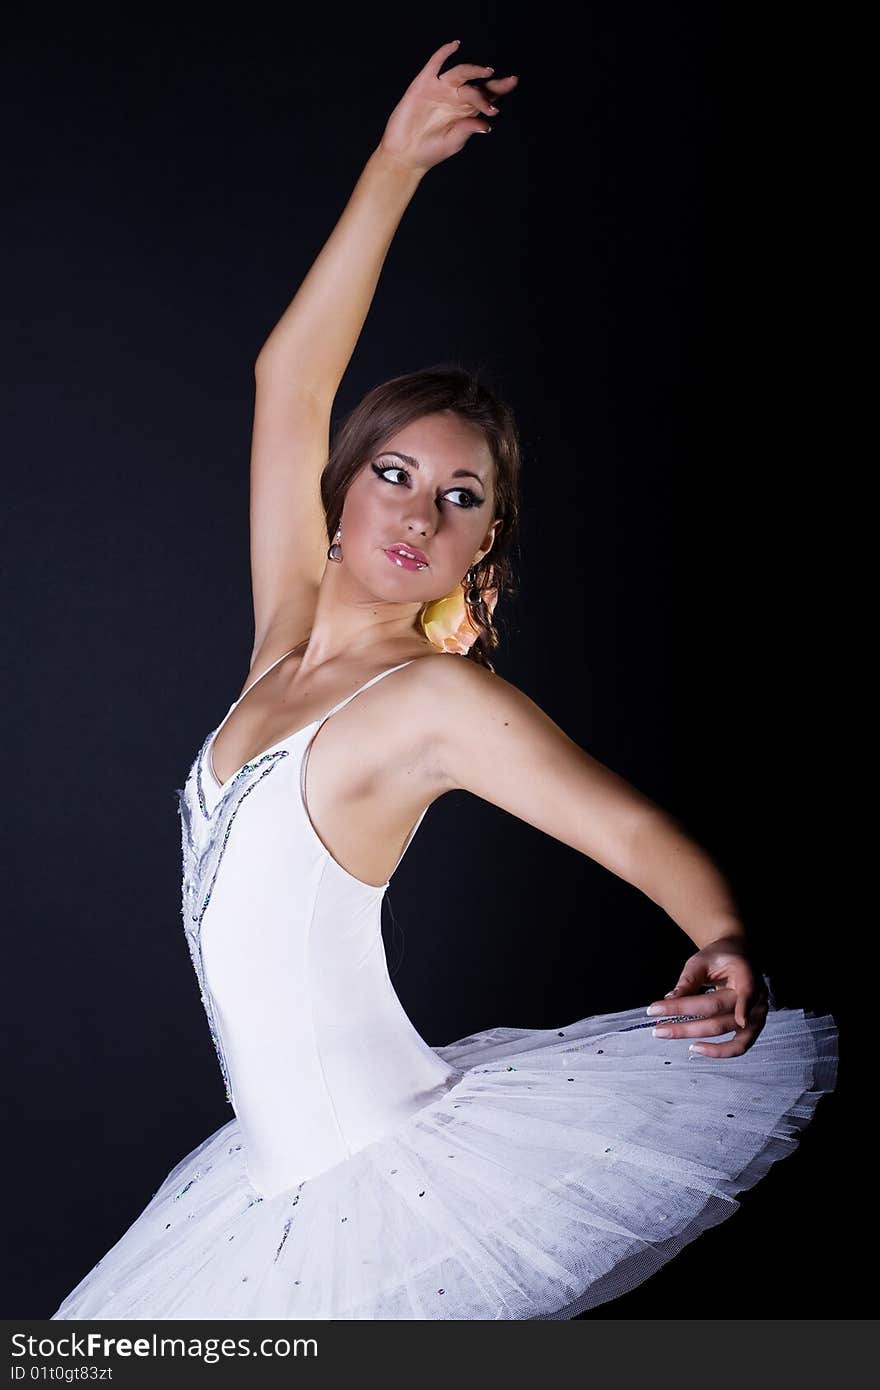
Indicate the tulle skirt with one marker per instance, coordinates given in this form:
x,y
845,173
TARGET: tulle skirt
x,y
561,1169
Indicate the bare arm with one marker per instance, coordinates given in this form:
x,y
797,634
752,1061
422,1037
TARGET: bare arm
x,y
516,757
297,374
303,360
310,347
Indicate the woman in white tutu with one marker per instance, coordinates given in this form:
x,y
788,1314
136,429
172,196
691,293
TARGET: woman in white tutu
x,y
364,1174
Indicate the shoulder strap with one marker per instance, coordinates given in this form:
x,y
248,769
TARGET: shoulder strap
x,y
264,673
366,685
318,725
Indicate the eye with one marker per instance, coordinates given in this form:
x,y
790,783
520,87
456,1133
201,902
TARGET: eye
x,y
473,499
389,468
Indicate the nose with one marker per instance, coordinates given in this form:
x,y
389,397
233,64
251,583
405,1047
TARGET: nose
x,y
418,518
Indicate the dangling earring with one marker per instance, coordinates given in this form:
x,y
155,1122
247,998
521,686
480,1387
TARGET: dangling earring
x,y
471,592
335,547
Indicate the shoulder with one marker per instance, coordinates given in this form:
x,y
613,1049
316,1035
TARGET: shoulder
x,y
453,676
452,689
442,706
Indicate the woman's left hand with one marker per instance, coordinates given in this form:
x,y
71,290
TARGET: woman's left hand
x,y
738,1002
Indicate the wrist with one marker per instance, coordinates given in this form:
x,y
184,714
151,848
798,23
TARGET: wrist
x,y
730,936
724,930
391,168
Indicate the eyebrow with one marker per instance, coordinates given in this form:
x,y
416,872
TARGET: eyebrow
x,y
408,458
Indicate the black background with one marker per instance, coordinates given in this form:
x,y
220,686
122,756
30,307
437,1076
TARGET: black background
x,y
605,258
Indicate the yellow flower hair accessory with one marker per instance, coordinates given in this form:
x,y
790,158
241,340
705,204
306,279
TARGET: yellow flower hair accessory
x,y
446,622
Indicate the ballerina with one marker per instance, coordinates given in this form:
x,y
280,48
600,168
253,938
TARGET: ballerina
x,y
516,1173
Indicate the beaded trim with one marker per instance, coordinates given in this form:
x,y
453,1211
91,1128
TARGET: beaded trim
x,y
198,771
201,864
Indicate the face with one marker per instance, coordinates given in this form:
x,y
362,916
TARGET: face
x,y
429,487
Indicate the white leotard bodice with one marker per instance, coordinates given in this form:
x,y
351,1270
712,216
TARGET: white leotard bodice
x,y
318,1055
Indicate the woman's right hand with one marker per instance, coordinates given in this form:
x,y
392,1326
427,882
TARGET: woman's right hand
x,y
438,112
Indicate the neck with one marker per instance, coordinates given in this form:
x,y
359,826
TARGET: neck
x,y
359,629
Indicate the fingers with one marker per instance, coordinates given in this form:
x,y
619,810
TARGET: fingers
x,y
752,996
466,92
740,1004
733,1047
470,101
438,58
468,122
498,87
713,1025
743,1004
715,1015
470,96
463,130
689,982
460,73
707,1026
464,72
699,996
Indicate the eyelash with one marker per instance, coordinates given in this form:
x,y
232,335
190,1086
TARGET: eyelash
x,y
398,468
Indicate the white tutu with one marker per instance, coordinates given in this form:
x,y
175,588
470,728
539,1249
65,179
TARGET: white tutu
x,y
560,1170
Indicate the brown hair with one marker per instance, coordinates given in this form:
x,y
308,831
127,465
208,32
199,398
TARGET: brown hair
x,y
391,406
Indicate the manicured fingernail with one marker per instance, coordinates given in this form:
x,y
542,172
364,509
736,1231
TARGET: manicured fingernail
x,y
695,1047
655,1009
491,108
660,1033
669,993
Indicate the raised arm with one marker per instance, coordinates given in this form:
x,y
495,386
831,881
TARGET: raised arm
x,y
297,374
303,360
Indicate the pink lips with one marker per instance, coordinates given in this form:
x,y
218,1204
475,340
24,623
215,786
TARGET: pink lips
x,y
407,557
